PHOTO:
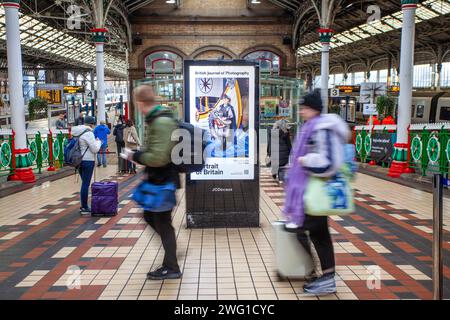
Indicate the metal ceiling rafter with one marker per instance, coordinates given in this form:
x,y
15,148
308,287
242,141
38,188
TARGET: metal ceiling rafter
x,y
135,5
285,5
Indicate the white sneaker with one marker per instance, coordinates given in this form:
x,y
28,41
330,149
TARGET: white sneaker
x,y
291,226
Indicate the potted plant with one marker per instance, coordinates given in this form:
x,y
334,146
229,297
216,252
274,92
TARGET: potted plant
x,y
36,106
386,107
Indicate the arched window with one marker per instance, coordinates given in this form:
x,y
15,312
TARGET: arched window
x,y
269,62
163,64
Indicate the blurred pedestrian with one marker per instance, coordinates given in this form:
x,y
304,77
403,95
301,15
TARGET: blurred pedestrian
x,y
157,193
319,152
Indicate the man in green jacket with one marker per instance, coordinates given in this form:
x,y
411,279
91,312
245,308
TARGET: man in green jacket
x,y
156,156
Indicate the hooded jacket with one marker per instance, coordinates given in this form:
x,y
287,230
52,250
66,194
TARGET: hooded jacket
x,y
102,132
325,154
87,142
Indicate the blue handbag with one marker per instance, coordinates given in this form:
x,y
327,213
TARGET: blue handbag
x,y
155,198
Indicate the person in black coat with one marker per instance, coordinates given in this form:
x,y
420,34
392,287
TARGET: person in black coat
x,y
120,143
279,158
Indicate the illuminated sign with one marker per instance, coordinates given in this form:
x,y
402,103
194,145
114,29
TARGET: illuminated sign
x,y
52,93
394,89
349,89
53,97
74,89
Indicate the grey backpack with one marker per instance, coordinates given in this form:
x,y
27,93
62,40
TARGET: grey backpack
x,y
72,152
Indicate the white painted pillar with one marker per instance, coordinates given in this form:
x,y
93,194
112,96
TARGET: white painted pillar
x,y
406,70
15,76
325,38
23,171
100,71
399,163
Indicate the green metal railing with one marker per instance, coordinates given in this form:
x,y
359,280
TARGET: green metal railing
x,y
430,148
363,140
5,152
45,152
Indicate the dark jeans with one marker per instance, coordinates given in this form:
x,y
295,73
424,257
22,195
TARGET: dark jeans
x,y
161,222
319,234
101,155
122,162
131,166
86,170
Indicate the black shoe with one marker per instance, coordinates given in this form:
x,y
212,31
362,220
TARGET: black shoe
x,y
99,164
85,211
163,273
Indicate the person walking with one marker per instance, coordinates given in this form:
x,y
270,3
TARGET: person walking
x,y
120,143
279,158
318,151
162,177
132,142
89,146
101,132
60,123
79,120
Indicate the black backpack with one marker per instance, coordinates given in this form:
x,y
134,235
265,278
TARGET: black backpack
x,y
195,161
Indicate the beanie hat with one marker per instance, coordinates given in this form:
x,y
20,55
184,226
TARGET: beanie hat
x,y
89,120
313,100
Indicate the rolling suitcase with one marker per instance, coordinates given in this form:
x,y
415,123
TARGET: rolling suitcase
x,y
105,198
292,260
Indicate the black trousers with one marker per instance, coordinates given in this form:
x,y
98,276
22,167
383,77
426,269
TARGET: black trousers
x,y
319,234
122,162
161,222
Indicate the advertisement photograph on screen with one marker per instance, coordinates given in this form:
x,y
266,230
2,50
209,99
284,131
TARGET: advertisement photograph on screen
x,y
222,102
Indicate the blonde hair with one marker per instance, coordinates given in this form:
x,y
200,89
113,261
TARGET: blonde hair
x,y
144,93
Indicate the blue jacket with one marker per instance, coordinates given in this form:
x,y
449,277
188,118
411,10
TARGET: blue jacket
x,y
101,131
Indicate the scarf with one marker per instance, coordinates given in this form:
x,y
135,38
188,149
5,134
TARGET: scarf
x,y
298,176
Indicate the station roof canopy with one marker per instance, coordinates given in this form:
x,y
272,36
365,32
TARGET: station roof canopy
x,y
56,33
365,41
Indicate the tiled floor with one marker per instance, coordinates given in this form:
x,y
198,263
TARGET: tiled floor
x,y
47,251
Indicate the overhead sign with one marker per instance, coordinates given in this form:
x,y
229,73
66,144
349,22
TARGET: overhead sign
x,y
334,93
382,147
74,89
370,109
371,90
52,93
349,89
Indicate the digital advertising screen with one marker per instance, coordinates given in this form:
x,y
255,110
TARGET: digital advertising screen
x,y
222,101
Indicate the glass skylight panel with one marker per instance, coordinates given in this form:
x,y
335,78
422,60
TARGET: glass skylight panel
x,y
370,29
379,25
441,6
425,13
